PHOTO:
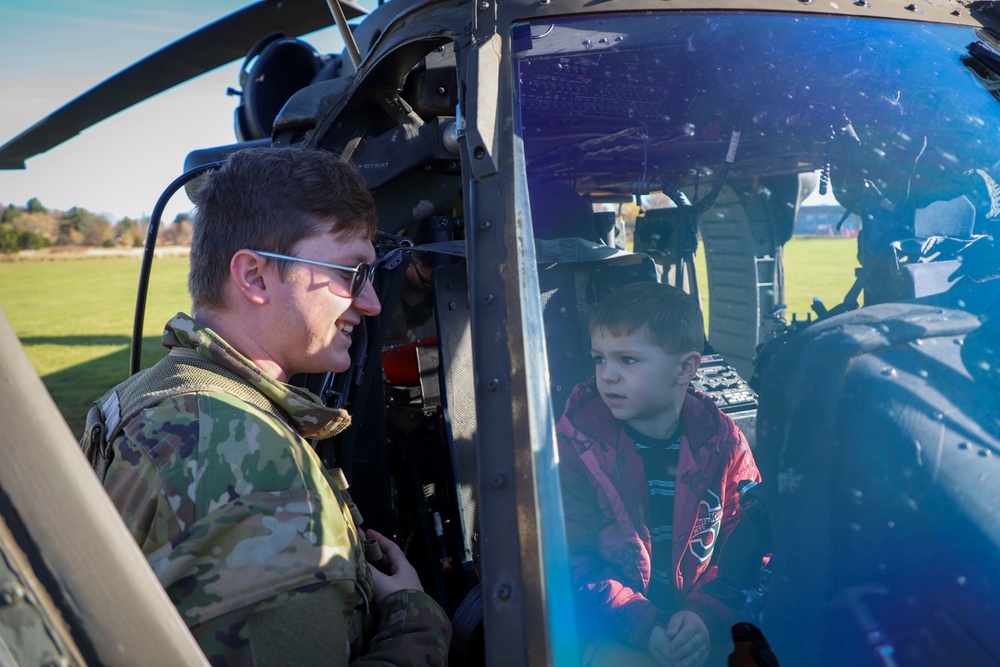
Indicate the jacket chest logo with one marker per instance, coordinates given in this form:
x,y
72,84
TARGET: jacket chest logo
x,y
706,527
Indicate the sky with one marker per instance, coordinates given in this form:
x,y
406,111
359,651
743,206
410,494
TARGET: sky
x,y
54,50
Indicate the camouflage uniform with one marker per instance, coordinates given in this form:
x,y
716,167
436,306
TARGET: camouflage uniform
x,y
247,531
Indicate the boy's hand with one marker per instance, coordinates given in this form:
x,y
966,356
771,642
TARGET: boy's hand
x,y
659,646
689,641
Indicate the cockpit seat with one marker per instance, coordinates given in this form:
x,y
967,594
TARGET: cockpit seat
x,y
927,262
879,431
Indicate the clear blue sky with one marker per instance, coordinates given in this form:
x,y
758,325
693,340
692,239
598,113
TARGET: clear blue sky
x,y
54,50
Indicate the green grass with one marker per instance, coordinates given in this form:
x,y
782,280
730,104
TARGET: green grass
x,y
74,316
814,267
74,319
818,267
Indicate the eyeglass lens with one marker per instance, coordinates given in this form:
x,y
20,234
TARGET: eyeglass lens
x,y
362,274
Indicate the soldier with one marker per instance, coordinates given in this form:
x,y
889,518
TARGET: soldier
x,y
210,467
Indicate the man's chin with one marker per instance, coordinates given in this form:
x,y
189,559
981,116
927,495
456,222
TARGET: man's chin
x,y
338,365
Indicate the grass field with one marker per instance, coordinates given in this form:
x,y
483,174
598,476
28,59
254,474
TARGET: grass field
x,y
74,316
814,267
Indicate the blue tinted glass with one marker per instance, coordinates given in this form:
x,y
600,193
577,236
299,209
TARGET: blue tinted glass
x,y
629,104
707,151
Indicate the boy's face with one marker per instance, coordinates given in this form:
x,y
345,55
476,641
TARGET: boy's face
x,y
641,383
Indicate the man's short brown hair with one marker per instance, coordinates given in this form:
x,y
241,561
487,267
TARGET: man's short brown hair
x,y
270,199
670,316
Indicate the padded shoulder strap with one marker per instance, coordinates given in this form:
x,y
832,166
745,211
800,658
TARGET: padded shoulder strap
x,y
180,372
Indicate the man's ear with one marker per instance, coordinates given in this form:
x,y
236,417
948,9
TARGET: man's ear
x,y
246,270
690,363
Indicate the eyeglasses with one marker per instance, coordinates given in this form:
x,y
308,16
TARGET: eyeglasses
x,y
362,273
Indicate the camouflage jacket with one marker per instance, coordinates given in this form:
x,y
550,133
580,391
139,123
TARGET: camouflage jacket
x,y
247,531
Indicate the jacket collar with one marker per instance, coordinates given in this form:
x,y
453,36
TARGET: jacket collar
x,y
587,418
310,418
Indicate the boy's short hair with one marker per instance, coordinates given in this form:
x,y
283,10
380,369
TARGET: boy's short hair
x,y
671,316
270,199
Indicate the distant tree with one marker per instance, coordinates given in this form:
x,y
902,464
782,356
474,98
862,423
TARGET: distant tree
x,y
78,226
71,225
141,228
178,232
29,240
10,213
98,231
125,231
35,206
8,239
184,231
45,224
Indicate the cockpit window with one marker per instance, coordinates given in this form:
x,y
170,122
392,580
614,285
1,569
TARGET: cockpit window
x,y
698,149
625,105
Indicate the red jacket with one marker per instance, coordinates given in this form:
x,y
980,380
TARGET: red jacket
x,y
606,502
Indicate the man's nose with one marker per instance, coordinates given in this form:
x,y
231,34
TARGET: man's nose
x,y
367,302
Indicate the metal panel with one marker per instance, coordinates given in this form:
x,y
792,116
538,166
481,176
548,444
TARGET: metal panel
x,y
455,333
60,518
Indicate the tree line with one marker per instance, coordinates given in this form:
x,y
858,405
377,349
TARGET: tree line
x,y
33,227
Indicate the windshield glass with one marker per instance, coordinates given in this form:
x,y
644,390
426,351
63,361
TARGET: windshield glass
x,y
626,104
801,177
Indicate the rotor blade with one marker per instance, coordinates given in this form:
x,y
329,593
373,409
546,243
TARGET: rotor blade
x,y
216,44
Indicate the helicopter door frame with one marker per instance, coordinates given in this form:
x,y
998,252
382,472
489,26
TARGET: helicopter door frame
x,y
526,585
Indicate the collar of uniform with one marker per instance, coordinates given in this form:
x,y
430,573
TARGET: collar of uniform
x,y
310,417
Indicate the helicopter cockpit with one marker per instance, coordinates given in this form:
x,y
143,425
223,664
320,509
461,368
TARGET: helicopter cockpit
x,y
713,127
639,142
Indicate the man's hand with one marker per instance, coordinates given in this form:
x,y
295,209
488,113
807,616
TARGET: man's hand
x,y
689,641
402,575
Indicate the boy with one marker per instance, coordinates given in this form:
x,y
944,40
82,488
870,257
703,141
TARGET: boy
x,y
649,470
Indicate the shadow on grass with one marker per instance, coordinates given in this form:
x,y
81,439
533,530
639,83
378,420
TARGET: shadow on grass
x,y
75,389
80,341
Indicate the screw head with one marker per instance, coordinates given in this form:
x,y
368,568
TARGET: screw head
x,y
504,592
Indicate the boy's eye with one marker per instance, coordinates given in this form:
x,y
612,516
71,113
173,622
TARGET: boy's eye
x,y
598,359
629,360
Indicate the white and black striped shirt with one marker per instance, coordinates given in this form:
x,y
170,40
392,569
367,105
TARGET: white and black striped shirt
x,y
660,459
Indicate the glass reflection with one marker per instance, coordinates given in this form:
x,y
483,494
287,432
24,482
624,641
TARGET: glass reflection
x,y
874,426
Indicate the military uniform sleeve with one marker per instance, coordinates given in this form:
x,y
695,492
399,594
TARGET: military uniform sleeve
x,y
412,630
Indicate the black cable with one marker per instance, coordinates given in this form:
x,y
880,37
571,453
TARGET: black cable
x,y
147,257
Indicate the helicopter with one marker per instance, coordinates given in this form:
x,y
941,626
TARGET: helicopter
x,y
501,141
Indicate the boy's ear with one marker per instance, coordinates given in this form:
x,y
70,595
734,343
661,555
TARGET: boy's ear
x,y
690,363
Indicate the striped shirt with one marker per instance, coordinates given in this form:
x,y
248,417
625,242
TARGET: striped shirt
x,y
660,459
